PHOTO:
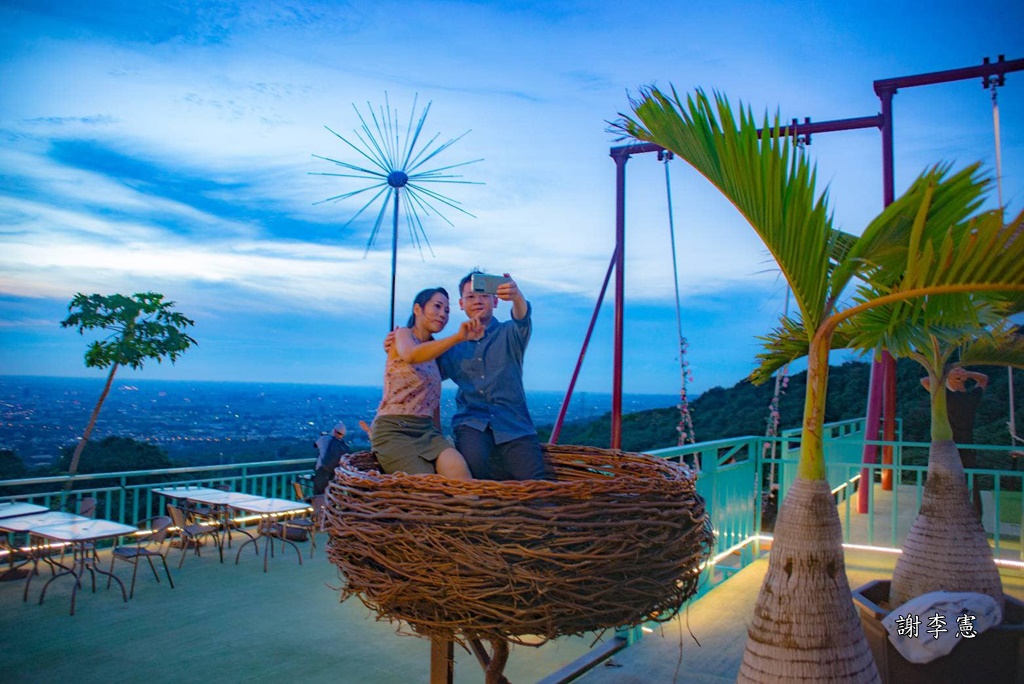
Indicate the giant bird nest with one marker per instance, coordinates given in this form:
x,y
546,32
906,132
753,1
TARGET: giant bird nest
x,y
617,540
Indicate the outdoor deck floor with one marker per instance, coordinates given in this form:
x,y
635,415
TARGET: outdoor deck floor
x,y
233,623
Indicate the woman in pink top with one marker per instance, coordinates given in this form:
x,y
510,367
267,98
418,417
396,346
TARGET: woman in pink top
x,y
406,434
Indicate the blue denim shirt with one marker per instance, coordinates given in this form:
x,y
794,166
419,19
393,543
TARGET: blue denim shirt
x,y
489,373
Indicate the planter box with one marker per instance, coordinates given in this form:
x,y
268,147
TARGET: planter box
x,y
993,657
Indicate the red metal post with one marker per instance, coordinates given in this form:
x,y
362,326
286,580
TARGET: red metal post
x,y
557,430
889,424
880,412
871,423
620,291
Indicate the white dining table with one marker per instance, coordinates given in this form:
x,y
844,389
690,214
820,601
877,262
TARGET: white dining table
x,y
25,523
14,509
80,533
217,497
222,502
270,511
184,492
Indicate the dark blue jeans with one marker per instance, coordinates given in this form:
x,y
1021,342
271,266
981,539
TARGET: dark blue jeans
x,y
520,459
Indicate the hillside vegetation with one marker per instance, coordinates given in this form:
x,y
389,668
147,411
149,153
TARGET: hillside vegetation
x,y
743,410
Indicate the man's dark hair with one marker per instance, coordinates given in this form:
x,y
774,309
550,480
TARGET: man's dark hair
x,y
469,276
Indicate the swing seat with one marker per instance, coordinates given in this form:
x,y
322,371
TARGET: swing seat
x,y
618,540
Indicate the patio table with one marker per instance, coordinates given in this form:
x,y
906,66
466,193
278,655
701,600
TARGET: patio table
x,y
221,503
183,492
79,533
25,523
194,494
269,511
13,509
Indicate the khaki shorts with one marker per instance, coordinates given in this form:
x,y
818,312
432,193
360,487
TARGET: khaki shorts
x,y
407,444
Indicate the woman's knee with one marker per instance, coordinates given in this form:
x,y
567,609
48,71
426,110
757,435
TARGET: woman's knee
x,y
451,464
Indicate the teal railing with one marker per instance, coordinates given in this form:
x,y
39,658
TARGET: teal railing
x,y
128,496
734,476
734,479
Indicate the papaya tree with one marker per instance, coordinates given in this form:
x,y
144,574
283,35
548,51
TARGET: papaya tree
x,y
805,626
142,326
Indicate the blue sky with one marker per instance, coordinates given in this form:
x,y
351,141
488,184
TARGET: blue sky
x,y
169,146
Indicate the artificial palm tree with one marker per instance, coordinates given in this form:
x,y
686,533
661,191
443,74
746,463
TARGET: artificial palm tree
x,y
805,626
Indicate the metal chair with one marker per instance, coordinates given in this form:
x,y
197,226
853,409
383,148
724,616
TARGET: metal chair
x,y
87,507
311,524
148,545
300,492
193,533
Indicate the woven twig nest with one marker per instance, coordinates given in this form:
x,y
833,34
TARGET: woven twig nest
x,y
617,540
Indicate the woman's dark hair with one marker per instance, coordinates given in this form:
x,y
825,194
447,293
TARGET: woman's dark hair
x,y
422,298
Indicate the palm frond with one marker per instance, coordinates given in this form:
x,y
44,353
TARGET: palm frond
x,y
980,258
770,183
1002,347
787,343
947,200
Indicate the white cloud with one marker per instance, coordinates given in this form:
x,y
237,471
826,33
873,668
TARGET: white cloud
x,y
230,106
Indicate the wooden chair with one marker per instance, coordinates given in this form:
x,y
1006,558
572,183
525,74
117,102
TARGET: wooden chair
x,y
149,545
87,507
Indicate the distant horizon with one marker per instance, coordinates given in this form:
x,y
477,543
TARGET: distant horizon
x,y
837,358
44,413
444,387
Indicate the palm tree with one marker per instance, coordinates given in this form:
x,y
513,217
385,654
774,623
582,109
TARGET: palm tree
x,y
805,626
947,519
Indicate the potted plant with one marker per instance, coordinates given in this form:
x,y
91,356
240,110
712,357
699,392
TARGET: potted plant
x,y
946,548
805,626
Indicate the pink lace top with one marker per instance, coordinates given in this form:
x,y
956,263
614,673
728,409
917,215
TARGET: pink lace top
x,y
410,389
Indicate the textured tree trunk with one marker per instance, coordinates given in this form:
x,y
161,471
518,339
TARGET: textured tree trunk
x,y
73,468
805,627
946,548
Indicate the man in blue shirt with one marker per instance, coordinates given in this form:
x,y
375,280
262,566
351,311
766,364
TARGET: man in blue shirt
x,y
492,424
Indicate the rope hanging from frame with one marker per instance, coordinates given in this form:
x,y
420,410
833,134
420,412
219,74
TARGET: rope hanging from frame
x,y
685,427
772,423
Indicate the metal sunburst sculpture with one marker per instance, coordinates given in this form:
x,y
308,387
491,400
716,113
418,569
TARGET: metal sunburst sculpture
x,y
396,167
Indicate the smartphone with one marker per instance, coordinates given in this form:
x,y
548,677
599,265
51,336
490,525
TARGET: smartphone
x,y
487,284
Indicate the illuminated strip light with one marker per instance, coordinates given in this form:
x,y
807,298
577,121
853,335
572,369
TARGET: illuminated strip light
x,y
846,484
1005,562
30,549
732,549
252,518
